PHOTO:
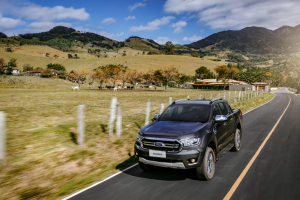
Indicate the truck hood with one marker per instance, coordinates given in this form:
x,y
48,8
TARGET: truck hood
x,y
171,129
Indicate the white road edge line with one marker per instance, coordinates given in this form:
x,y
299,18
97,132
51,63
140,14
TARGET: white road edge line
x,y
84,189
95,184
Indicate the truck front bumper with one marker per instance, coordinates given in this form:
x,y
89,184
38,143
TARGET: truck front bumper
x,y
176,160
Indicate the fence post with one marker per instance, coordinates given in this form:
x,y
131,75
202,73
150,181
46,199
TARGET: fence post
x,y
224,95
170,100
251,94
234,100
80,125
248,95
200,97
2,138
239,96
161,108
147,112
119,121
188,97
210,96
219,95
112,115
229,97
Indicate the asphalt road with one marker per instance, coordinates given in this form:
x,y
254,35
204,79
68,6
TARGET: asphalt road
x,y
275,173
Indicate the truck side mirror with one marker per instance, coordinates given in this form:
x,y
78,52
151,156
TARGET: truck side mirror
x,y
155,117
220,118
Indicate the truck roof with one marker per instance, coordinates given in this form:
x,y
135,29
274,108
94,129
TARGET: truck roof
x,y
197,101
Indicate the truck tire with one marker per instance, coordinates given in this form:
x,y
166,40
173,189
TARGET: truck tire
x,y
207,169
144,167
237,140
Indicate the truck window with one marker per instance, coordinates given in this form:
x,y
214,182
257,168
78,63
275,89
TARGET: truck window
x,y
216,110
223,108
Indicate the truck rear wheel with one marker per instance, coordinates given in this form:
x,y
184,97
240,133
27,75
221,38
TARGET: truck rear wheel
x,y
237,140
207,169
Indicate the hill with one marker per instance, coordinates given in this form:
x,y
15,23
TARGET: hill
x,y
256,40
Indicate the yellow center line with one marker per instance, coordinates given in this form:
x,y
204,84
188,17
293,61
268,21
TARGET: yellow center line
x,y
242,175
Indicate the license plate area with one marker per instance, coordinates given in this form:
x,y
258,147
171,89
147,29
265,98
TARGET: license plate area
x,y
158,154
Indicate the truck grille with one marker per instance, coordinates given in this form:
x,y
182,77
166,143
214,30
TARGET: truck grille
x,y
169,145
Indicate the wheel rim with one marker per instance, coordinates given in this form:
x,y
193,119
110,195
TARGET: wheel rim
x,y
210,163
238,139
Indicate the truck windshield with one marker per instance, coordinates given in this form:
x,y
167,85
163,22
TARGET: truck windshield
x,y
186,113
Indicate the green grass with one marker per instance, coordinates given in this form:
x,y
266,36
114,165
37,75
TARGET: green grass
x,y
44,161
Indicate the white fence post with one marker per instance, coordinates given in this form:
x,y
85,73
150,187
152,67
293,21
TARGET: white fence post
x,y
200,97
161,108
119,121
210,96
239,96
229,97
251,94
80,125
112,115
224,95
147,112
234,100
188,97
2,138
248,95
219,95
170,100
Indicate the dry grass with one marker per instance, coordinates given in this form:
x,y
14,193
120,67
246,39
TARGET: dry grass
x,y
43,159
34,55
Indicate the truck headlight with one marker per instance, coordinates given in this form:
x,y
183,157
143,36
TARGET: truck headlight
x,y
190,141
139,137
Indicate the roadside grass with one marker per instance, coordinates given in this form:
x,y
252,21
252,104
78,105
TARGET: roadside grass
x,y
43,159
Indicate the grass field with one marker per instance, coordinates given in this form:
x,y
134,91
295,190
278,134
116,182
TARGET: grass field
x,y
34,55
44,162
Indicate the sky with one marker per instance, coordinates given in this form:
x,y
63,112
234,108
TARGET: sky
x,y
179,21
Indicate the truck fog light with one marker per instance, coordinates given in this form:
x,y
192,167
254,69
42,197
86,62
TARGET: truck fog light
x,y
193,160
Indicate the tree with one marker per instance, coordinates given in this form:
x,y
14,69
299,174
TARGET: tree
x,y
8,49
203,72
169,47
294,68
57,67
38,68
158,77
55,56
170,74
12,62
148,76
79,75
27,67
70,56
2,65
194,54
46,73
47,54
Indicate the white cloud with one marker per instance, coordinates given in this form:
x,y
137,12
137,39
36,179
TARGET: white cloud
x,y
194,38
31,11
109,20
100,27
119,34
45,26
9,23
237,14
163,40
154,25
130,18
178,27
131,8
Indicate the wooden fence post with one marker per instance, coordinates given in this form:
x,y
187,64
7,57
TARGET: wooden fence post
x,y
224,95
80,125
2,138
229,97
239,96
248,95
112,116
170,100
188,97
119,121
200,97
147,112
161,108
219,95
210,96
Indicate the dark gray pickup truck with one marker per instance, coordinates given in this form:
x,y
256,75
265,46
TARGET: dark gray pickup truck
x,y
190,134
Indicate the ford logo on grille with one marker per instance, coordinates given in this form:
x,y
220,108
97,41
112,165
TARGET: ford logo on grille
x,y
159,144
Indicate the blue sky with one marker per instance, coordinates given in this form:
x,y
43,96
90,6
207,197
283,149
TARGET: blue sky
x,y
180,21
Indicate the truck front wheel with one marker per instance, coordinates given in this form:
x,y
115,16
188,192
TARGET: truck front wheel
x,y
207,169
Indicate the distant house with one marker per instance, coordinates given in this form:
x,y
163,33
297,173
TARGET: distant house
x,y
219,82
15,71
260,86
33,73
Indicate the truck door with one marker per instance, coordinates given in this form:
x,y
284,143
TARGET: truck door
x,y
219,128
229,123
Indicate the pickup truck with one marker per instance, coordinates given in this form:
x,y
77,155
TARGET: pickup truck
x,y
190,134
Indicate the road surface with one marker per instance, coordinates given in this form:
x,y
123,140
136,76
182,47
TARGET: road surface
x,y
274,173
